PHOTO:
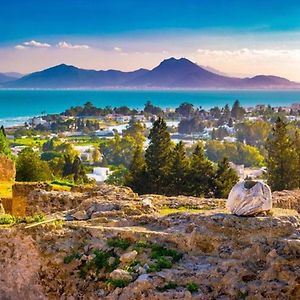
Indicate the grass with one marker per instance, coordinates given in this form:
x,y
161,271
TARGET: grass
x,y
8,219
6,189
29,142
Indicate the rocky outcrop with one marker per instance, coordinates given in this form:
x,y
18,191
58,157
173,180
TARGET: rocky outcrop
x,y
287,199
7,169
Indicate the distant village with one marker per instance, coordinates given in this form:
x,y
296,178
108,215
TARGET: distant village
x,y
82,126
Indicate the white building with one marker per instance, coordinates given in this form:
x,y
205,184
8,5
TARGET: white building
x,y
99,174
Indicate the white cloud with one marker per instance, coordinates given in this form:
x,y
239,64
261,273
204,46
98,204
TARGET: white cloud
x,y
20,47
36,44
118,49
65,45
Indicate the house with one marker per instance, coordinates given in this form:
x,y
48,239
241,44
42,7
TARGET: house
x,y
99,174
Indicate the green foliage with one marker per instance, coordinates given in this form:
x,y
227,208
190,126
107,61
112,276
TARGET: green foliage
x,y
238,153
158,251
158,158
282,160
161,263
34,218
225,179
31,168
201,173
69,258
7,219
120,283
192,287
136,175
73,167
179,171
118,243
4,143
237,112
169,286
118,176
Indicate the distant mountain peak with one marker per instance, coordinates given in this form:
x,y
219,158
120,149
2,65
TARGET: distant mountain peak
x,y
170,73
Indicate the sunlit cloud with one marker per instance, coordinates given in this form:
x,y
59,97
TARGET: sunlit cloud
x,y
20,47
118,49
36,44
66,45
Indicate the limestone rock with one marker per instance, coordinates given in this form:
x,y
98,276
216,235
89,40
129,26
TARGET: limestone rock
x,y
128,257
249,198
120,274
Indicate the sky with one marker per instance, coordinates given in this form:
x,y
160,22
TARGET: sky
x,y
239,38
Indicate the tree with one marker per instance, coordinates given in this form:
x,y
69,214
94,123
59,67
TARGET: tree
x,y
225,179
201,173
281,159
158,157
135,179
185,110
237,112
4,144
179,171
96,155
49,145
31,168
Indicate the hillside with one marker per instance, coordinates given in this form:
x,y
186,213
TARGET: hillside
x,y
170,73
109,243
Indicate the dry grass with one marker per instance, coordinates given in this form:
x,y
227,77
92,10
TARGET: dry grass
x,y
6,189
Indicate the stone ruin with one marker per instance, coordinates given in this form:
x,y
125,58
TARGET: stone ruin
x,y
249,198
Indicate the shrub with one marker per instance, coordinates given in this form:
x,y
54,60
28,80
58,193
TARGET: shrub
x,y
159,251
118,282
192,287
118,243
7,219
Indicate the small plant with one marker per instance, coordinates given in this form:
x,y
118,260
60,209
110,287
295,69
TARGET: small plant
x,y
161,263
7,219
117,282
130,267
141,245
118,243
158,251
69,258
192,287
170,286
34,218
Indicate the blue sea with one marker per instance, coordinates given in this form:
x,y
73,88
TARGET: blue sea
x,y
16,106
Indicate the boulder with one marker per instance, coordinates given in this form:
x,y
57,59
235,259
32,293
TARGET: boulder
x,y
249,198
120,274
128,257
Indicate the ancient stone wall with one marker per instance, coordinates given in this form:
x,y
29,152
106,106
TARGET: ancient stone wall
x,y
287,199
7,169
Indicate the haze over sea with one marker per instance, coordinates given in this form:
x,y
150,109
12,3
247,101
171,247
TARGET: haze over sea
x,y
18,105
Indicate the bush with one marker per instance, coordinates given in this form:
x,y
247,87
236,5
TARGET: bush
x,y
118,243
117,282
7,219
192,287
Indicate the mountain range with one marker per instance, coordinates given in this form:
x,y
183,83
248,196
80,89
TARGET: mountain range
x,y
170,73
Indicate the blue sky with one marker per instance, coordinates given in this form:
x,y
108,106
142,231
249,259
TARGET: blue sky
x,y
126,34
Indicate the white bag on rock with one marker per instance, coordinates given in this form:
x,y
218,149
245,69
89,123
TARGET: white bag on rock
x,y
249,199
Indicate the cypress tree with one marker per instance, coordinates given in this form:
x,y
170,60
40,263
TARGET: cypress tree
x,y
136,177
225,179
201,173
179,171
158,157
281,159
4,143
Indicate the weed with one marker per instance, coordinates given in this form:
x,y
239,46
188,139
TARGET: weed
x,y
158,251
69,258
118,243
192,287
118,282
7,219
161,263
170,286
